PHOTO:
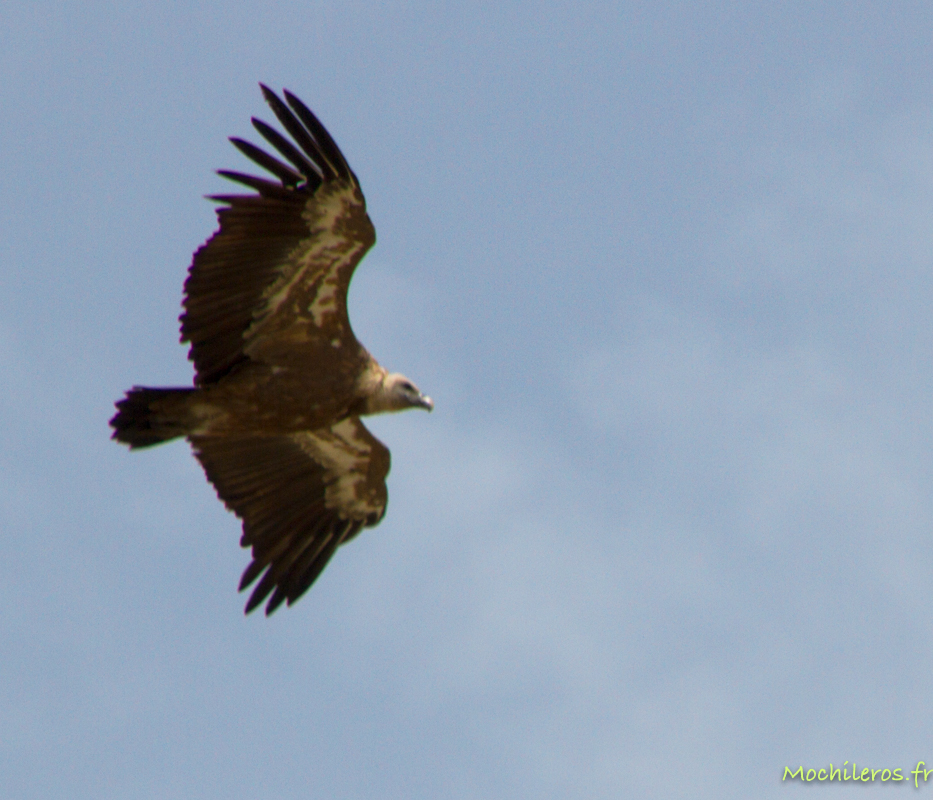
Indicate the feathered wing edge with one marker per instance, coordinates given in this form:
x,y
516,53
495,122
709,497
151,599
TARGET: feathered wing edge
x,y
300,497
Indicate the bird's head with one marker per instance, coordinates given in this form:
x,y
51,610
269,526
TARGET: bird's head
x,y
404,394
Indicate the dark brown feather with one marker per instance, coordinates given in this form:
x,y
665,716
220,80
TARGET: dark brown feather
x,y
299,496
299,133
265,187
321,136
304,165
286,174
229,274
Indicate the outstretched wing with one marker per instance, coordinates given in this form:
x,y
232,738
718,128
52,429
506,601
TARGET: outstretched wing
x,y
300,496
271,284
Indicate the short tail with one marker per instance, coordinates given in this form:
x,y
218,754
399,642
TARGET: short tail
x,y
150,416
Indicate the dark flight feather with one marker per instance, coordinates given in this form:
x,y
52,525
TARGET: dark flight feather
x,y
303,164
323,138
283,172
299,133
265,187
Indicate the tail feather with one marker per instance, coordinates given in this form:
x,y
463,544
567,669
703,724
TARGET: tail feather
x,y
149,416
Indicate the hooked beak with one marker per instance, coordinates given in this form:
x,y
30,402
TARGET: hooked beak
x,y
425,402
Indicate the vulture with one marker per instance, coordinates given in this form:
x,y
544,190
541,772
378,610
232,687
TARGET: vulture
x,y
280,380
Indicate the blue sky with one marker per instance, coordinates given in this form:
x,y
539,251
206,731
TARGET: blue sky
x,y
665,269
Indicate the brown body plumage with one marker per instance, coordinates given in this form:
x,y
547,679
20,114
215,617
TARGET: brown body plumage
x,y
280,379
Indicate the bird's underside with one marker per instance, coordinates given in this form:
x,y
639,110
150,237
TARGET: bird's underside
x,y
280,379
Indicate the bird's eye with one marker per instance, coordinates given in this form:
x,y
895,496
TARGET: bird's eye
x,y
408,387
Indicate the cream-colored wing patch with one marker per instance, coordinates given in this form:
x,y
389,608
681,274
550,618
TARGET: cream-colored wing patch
x,y
355,464
309,296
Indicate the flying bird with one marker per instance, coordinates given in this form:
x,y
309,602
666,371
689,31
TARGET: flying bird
x,y
280,380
